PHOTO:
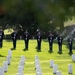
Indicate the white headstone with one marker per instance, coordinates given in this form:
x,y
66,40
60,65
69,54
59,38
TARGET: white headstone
x,y
73,57
58,73
37,62
23,58
20,69
10,53
19,74
8,60
55,68
1,71
38,68
22,62
5,66
36,57
51,63
39,73
69,68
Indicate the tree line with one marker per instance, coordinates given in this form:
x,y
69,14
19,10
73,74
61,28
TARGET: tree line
x,y
33,14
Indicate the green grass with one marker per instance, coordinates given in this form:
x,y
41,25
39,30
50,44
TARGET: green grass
x,y
44,56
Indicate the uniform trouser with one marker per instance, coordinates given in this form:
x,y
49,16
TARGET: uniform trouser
x,y
14,43
26,44
70,48
1,43
39,45
60,47
50,46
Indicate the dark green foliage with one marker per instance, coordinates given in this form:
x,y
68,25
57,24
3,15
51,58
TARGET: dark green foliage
x,y
43,14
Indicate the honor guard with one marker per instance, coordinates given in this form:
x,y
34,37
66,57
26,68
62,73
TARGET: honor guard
x,y
38,30
50,39
39,38
59,38
14,38
1,37
26,39
70,43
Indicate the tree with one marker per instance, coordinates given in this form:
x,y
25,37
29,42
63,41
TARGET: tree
x,y
43,14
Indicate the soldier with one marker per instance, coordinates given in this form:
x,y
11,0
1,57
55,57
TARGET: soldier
x,y
38,30
59,38
26,39
1,37
14,38
70,43
50,39
39,38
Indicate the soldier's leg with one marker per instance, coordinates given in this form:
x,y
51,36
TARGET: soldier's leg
x,y
51,47
1,43
61,48
38,45
71,49
14,43
27,45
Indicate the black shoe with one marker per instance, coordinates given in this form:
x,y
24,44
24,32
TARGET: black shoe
x,y
38,50
50,51
60,52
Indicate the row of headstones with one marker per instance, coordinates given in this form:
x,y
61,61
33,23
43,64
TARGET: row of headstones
x,y
4,68
21,66
55,67
37,66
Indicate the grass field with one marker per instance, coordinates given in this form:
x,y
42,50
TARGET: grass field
x,y
62,60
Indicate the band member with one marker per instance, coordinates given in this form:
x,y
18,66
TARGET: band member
x,y
26,39
14,38
1,37
59,38
50,39
39,39
70,43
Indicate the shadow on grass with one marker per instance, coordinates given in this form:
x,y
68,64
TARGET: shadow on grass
x,y
12,48
8,40
25,49
38,50
1,55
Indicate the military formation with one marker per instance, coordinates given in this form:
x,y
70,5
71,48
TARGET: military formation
x,y
50,37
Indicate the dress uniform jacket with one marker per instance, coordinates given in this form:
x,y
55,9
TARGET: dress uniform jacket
x,y
50,39
26,39
14,38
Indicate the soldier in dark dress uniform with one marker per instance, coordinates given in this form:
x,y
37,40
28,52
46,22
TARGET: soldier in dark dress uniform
x,y
59,38
39,39
14,38
1,37
38,30
50,39
26,39
70,43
